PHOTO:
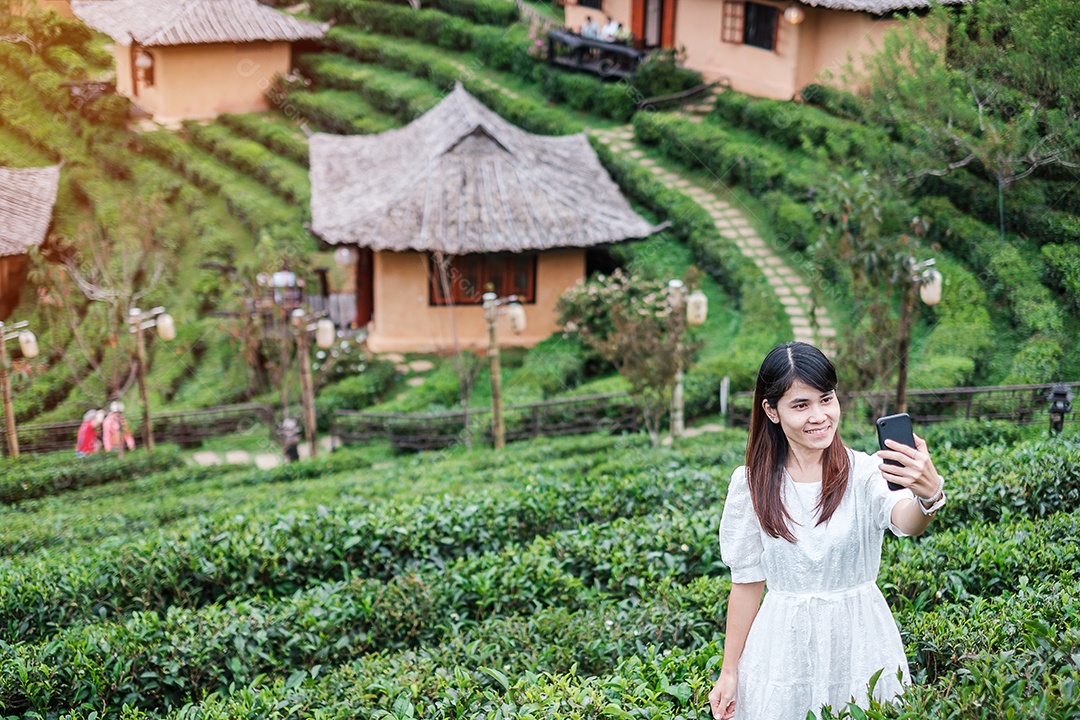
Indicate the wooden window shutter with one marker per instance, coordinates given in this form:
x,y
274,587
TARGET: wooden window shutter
x,y
732,20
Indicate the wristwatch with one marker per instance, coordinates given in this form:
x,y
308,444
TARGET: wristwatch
x,y
930,505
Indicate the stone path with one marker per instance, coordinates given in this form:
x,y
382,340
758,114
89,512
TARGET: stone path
x,y
790,288
262,460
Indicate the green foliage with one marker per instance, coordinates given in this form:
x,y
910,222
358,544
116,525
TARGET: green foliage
x,y
803,127
396,94
709,146
590,94
284,177
661,74
355,392
336,111
36,476
275,134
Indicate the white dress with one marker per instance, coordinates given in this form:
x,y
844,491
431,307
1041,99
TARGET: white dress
x,y
823,628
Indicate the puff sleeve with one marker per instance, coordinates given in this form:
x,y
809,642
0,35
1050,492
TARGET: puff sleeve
x,y
740,532
882,499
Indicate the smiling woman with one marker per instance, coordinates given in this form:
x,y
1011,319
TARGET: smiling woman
x,y
807,516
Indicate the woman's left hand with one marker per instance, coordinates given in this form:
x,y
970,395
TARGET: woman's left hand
x,y
916,472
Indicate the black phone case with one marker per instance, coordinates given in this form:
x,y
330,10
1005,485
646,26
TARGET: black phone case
x,y
898,428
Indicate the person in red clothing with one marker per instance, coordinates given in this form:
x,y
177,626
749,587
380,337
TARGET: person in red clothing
x,y
116,431
87,441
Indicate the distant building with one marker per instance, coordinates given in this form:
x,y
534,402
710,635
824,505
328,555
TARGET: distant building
x,y
27,197
196,58
462,187
763,47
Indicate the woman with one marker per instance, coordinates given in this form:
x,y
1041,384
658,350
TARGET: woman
x,y
115,429
807,516
87,441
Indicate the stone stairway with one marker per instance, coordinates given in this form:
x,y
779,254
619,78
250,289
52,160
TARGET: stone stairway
x,y
790,288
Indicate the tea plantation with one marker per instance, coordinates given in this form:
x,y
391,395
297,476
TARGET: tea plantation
x,y
570,578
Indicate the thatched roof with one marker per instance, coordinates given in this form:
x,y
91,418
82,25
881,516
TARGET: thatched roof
x,y
26,202
460,179
187,22
879,7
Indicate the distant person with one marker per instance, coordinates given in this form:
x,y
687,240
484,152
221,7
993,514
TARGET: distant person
x,y
115,430
610,32
87,442
590,28
290,439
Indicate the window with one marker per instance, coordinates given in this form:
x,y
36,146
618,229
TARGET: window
x,y
749,23
594,4
470,275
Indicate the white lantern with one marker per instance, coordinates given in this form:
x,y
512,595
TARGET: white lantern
x,y
675,293
516,313
144,61
166,327
346,256
28,344
324,334
697,308
794,14
930,287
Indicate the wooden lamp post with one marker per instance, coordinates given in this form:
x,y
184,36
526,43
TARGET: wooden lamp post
x,y
29,347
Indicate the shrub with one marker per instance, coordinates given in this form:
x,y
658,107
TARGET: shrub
x,y
794,222
963,434
36,476
279,137
353,393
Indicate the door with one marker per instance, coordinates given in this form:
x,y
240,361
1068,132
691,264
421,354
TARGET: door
x,y
654,16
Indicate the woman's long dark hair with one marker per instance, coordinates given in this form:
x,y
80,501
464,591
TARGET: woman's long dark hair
x,y
767,449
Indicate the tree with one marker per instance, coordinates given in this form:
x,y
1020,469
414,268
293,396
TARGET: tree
x,y
113,264
631,323
983,87
864,251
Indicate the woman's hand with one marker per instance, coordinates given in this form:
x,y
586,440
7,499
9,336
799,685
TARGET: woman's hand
x,y
722,696
917,472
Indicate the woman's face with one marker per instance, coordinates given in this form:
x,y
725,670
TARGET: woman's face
x,y
808,416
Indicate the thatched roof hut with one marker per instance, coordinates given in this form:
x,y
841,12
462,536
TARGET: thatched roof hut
x,y
158,23
27,197
461,179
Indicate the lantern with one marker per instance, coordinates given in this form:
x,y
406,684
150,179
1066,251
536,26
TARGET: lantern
x,y
516,313
930,287
324,334
697,308
346,256
144,61
166,327
28,344
794,14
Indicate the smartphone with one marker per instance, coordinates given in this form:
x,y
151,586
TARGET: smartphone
x,y
898,428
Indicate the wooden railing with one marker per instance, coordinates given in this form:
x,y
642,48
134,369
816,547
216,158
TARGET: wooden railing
x,y
185,427
1018,403
428,431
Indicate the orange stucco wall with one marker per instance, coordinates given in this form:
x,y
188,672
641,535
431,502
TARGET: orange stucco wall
x,y
753,70
24,7
832,39
203,81
618,9
804,53
404,322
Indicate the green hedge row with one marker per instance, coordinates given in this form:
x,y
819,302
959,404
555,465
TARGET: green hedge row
x,y
246,199
401,96
353,393
441,72
1014,273
204,650
284,177
1034,614
337,111
980,559
803,127
332,623
225,558
33,476
484,12
278,136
